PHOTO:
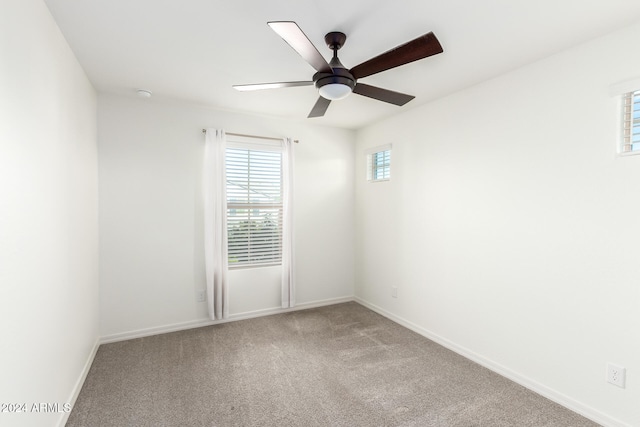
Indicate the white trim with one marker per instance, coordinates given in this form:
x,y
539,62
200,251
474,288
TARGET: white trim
x,y
254,143
64,417
147,332
553,395
628,153
621,88
257,146
566,401
378,149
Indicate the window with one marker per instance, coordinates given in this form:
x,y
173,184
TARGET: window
x,y
254,204
631,123
379,163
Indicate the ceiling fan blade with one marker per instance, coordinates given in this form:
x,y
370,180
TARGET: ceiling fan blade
x,y
419,48
260,86
384,95
320,108
293,35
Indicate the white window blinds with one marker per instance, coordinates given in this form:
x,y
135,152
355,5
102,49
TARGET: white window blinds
x,y
631,122
379,163
254,206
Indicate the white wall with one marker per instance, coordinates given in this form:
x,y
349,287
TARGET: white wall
x,y
151,247
48,215
510,226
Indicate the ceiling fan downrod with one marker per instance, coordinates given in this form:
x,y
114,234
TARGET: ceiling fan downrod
x,y
340,82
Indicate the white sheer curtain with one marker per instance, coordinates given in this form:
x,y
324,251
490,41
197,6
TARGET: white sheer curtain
x,y
288,277
215,224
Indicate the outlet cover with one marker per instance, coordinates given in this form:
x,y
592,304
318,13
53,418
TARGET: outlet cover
x,y
616,375
201,295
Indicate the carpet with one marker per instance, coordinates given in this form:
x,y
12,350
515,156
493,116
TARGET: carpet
x,y
340,365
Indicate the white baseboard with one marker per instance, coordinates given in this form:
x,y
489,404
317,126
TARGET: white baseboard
x,y
79,383
141,333
532,385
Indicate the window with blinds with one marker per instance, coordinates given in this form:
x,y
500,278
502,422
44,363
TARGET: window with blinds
x,y
254,207
379,163
631,123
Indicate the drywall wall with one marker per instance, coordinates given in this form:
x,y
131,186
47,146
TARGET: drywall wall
x,y
151,245
48,217
509,226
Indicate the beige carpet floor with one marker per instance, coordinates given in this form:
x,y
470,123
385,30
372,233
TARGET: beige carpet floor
x,y
341,365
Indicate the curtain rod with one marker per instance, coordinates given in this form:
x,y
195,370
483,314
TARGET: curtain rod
x,y
252,136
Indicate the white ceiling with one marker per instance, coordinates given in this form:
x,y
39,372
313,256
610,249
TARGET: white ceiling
x,y
195,50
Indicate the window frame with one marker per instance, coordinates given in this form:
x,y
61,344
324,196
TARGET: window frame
x,y
253,145
373,169
630,106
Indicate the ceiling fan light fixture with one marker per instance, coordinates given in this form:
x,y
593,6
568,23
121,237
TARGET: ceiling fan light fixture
x,y
334,91
334,86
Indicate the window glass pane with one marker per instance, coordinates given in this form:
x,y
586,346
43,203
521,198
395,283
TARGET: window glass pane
x,y
254,176
381,165
631,122
255,236
254,202
635,126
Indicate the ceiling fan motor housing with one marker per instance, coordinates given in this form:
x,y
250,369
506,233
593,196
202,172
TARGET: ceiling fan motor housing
x,y
339,75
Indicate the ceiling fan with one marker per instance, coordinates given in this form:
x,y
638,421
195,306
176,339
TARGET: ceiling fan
x,y
333,80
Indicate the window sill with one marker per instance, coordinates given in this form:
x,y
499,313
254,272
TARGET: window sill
x,y
247,266
629,153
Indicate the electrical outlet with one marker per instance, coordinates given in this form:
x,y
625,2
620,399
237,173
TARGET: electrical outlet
x,y
201,295
394,291
616,374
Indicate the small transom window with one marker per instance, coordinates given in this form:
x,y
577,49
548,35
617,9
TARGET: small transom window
x,y
631,123
379,163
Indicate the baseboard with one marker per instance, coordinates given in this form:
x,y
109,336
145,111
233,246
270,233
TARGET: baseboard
x,y
79,383
164,329
278,310
532,385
